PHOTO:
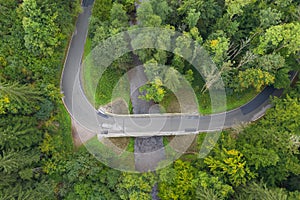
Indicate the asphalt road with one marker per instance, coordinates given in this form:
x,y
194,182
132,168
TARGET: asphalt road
x,y
143,125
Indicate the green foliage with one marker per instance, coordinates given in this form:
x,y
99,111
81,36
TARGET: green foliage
x,y
207,182
153,91
101,10
269,17
161,8
146,16
177,182
172,79
192,18
107,84
135,186
34,38
42,34
15,98
255,78
281,38
118,16
287,112
260,191
218,45
18,132
14,160
45,110
229,165
189,76
256,41
234,7
270,147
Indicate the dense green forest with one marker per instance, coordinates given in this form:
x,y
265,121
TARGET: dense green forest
x,y
254,43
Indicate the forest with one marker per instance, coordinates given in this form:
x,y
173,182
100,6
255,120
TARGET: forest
x,y
254,43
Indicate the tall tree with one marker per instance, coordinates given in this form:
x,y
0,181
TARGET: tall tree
x,y
230,165
42,34
146,16
16,98
18,132
118,16
282,38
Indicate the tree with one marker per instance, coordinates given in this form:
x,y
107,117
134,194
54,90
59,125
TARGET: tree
x,y
218,45
282,38
229,165
211,187
153,91
255,78
192,18
269,17
16,98
135,186
18,132
152,69
269,147
161,8
234,7
146,16
118,16
101,9
259,191
14,160
42,35
276,65
287,112
177,182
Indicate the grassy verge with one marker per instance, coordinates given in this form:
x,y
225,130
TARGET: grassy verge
x,y
126,143
65,131
105,85
87,47
233,101
130,147
87,79
125,160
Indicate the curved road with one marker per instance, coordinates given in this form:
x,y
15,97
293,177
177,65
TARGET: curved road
x,y
143,125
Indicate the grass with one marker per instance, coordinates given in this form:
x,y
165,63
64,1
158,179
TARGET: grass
x,y
111,85
106,86
233,101
87,47
130,147
124,143
65,131
125,160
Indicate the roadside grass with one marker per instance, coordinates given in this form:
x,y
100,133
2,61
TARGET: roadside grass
x,y
111,85
65,130
87,47
106,86
87,72
124,143
125,160
234,100
130,147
